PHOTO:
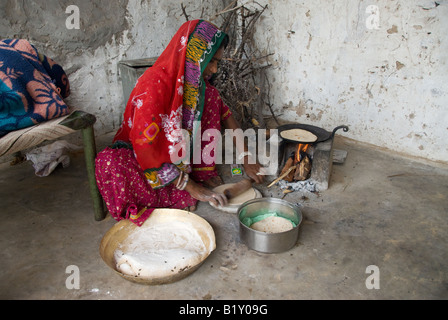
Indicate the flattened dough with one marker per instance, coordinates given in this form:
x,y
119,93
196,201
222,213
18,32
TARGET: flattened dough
x,y
273,225
299,135
233,205
158,250
241,198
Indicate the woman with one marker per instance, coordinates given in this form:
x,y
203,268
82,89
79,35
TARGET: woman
x,y
137,175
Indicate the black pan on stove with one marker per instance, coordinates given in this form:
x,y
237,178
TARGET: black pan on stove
x,y
321,134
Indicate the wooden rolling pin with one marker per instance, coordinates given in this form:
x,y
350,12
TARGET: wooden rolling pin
x,y
238,188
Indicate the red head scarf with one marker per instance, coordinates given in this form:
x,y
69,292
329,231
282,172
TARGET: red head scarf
x,y
168,97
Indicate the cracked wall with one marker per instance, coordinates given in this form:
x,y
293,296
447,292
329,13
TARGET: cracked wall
x,y
388,82
386,79
110,31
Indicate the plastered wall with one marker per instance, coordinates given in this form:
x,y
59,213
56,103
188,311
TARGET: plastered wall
x,y
379,66
109,31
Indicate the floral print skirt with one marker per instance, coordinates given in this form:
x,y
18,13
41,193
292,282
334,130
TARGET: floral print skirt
x,y
126,191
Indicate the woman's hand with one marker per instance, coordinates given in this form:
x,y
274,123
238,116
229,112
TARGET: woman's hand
x,y
202,193
253,171
251,168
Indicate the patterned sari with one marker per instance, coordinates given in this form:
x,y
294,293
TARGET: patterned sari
x,y
136,175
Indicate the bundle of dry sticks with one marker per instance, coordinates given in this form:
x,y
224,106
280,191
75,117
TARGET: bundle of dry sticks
x,y
241,78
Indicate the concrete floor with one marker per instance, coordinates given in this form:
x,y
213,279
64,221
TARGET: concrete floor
x,y
381,209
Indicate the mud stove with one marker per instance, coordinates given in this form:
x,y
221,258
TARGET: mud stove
x,y
306,166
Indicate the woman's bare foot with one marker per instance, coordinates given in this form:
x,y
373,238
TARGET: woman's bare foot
x,y
190,209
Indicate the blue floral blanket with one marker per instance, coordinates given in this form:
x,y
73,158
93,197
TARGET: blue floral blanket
x,y
32,86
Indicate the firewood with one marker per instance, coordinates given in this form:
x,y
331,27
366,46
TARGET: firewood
x,y
282,176
241,79
303,169
290,175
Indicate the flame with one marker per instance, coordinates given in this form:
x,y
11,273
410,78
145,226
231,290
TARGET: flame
x,y
302,147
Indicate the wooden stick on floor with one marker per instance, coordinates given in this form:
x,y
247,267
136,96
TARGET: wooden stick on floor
x,y
282,176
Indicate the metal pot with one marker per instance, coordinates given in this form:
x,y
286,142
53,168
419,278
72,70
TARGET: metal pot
x,y
269,242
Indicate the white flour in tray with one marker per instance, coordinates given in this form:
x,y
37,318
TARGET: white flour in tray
x,y
160,250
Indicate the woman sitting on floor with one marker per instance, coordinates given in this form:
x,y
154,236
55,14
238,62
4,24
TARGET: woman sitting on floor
x,y
136,175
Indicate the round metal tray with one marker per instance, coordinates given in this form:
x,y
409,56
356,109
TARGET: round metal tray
x,y
124,229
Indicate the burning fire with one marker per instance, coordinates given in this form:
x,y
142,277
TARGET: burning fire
x,y
302,147
297,166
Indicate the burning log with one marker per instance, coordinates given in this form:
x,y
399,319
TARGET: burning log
x,y
303,170
303,163
297,167
287,173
